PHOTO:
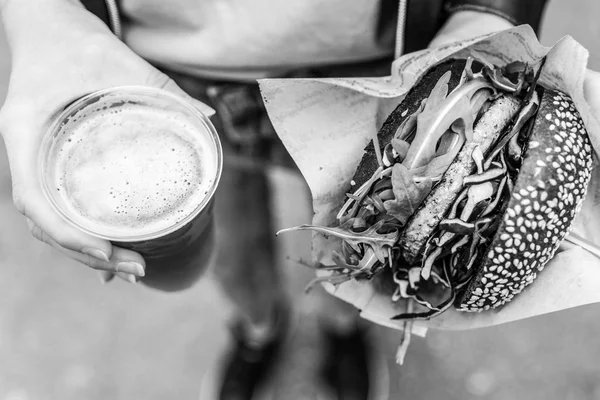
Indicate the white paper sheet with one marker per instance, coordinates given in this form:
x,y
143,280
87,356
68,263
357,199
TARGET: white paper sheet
x,y
326,123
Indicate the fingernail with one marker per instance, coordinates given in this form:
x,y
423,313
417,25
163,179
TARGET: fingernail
x,y
127,277
96,253
131,267
130,278
105,276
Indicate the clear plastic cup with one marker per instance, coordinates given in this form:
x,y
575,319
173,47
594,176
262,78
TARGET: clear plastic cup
x,y
138,166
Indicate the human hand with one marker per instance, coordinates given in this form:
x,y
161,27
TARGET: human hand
x,y
61,53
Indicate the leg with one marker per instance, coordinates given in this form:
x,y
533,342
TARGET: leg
x,y
246,271
246,268
348,368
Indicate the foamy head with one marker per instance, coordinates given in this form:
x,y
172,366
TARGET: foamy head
x,y
130,169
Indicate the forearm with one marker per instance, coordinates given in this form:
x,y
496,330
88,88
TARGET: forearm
x,y
29,6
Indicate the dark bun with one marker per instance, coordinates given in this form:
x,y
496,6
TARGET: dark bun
x,y
411,102
547,196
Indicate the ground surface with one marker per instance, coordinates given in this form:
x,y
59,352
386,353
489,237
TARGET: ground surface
x,y
63,336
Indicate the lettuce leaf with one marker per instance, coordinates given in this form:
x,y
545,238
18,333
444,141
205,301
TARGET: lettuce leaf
x,y
441,114
408,194
406,129
401,147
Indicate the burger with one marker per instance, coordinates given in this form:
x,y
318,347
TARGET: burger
x,y
467,190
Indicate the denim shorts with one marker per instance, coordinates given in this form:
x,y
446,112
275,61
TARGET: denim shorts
x,y
241,119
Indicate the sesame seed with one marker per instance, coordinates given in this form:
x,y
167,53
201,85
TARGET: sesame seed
x,y
519,221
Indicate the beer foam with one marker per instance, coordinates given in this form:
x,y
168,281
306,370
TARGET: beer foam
x,y
131,170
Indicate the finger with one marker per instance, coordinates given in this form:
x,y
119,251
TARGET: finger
x,y
122,260
22,141
105,276
172,87
591,91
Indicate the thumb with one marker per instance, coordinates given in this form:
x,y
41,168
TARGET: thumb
x,y
172,87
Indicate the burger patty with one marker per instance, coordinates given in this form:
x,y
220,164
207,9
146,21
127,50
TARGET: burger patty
x,y
436,205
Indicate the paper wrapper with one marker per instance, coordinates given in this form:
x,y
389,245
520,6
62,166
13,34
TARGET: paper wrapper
x,y
326,123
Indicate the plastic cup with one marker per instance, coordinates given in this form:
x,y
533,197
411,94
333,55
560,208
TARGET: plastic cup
x,y
138,166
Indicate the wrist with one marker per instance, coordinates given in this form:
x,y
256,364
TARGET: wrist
x,y
463,25
517,12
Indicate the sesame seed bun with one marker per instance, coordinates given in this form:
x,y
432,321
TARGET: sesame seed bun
x,y
547,195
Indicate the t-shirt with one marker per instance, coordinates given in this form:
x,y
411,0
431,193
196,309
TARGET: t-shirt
x,y
251,38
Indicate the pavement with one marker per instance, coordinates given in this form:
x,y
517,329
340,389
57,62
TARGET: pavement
x,y
64,336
